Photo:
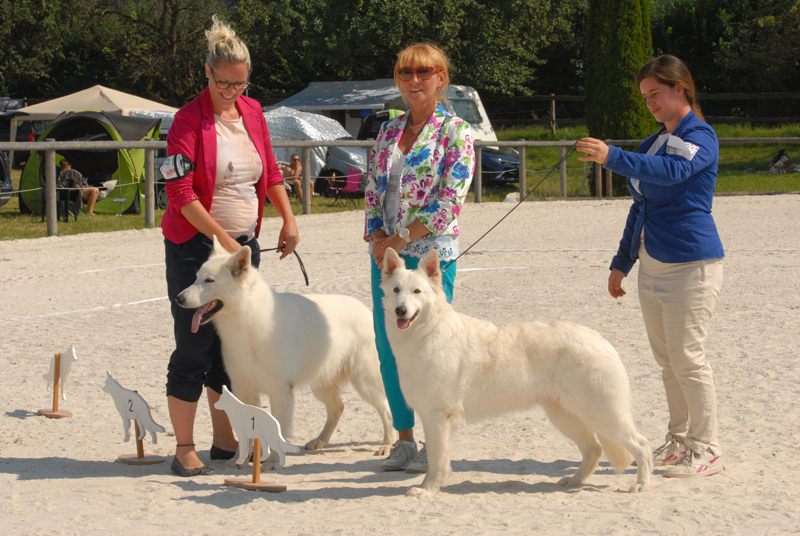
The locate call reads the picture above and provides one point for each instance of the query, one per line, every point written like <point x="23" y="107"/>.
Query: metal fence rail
<point x="51" y="147"/>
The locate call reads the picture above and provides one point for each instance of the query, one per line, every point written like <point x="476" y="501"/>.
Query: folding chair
<point x="68" y="200"/>
<point x="350" y="190"/>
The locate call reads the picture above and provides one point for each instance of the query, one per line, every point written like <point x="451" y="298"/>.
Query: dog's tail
<point x="617" y="455"/>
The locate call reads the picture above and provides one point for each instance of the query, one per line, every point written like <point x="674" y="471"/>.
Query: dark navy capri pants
<point x="197" y="359"/>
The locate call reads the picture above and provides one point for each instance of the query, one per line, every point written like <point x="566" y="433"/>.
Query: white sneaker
<point x="420" y="463"/>
<point x="403" y="452"/>
<point x="669" y="453"/>
<point x="693" y="465"/>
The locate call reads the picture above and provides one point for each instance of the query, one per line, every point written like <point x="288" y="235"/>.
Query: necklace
<point x="415" y="129"/>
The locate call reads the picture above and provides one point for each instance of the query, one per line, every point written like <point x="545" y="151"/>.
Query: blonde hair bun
<point x="224" y="46"/>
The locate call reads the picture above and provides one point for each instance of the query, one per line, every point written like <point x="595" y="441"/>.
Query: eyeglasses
<point x="238" y="86"/>
<point x="423" y="73"/>
<point x="295" y="159"/>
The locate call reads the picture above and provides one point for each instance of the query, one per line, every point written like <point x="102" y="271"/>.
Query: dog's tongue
<point x="198" y="315"/>
<point x="402" y="323"/>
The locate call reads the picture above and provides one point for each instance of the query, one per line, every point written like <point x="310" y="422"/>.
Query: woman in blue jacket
<point x="671" y="231"/>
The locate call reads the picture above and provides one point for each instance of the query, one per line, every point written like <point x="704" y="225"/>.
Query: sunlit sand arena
<point x="106" y="293"/>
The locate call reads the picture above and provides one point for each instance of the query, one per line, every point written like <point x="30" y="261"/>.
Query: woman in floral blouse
<point x="419" y="176"/>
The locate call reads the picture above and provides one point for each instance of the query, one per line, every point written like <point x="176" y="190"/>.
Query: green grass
<point x="735" y="161"/>
<point x="14" y="225"/>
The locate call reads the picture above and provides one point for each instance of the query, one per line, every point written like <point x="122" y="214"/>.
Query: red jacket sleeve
<point x="273" y="172"/>
<point x="183" y="138"/>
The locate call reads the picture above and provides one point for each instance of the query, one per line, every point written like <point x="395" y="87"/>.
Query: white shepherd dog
<point x="454" y="368"/>
<point x="273" y="342"/>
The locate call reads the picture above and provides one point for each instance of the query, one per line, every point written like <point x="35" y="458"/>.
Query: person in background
<point x="671" y="231"/>
<point x="225" y="135"/>
<point x="419" y="176"/>
<point x="293" y="174"/>
<point x="780" y="163"/>
<point x="72" y="178"/>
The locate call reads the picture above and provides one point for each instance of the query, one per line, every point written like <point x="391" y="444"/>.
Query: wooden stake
<point x="139" y="445"/>
<point x="256" y="461"/>
<point x="55" y="413"/>
<point x="56" y="381"/>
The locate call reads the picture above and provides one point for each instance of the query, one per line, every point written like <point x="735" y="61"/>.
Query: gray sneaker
<point x="400" y="456"/>
<point x="669" y="453"/>
<point x="420" y="463"/>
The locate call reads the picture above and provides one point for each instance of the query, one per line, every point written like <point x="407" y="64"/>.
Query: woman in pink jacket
<point x="224" y="134"/>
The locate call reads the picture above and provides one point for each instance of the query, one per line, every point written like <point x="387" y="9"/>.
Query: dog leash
<point x="564" y="158"/>
<point x="299" y="261"/>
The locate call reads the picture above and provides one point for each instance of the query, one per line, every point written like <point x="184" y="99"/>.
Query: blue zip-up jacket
<point x="677" y="189"/>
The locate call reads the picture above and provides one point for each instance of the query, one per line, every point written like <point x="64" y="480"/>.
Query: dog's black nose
<point x="179" y="299"/>
<point x="401" y="311"/>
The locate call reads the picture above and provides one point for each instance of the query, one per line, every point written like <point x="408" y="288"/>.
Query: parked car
<point x="338" y="160"/>
<point x="497" y="166"/>
<point x="5" y="180"/>
<point x="24" y="131"/>
<point x="160" y="185"/>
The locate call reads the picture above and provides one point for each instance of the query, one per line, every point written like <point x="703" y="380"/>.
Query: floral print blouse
<point x="434" y="184"/>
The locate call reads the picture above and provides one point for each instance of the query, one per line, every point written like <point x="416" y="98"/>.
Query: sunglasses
<point x="423" y="73"/>
<point x="295" y="159"/>
<point x="238" y="86"/>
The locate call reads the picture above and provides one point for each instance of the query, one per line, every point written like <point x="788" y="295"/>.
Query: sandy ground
<point x="548" y="260"/>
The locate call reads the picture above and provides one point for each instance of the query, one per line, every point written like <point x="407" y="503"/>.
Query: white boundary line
<point x="541" y="250"/>
<point x="150" y="300"/>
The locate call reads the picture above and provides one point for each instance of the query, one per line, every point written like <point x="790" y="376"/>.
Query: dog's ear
<point x="391" y="262"/>
<point x="239" y="263"/>
<point x="218" y="249"/>
<point x="430" y="265"/>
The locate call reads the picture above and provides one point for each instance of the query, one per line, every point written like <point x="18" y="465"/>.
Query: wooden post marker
<point x="250" y="422"/>
<point x="60" y="367"/>
<point x="132" y="407"/>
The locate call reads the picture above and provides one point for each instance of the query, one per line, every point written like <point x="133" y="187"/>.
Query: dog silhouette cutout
<point x="68" y="357"/>
<point x="250" y="422"/>
<point x="132" y="407"/>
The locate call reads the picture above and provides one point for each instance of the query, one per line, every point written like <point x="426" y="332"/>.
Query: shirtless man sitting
<point x="293" y="174"/>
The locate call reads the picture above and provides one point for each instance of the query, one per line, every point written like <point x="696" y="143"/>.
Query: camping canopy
<point x="115" y="171"/>
<point x="97" y="98"/>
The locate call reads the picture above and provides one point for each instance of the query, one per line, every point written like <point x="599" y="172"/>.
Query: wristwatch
<point x="404" y="235"/>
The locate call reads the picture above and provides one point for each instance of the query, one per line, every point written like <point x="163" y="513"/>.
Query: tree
<point x="493" y="43"/>
<point x="29" y="37"/>
<point x="618" y="43"/>
<point x="760" y="48"/>
<point x="161" y="46"/>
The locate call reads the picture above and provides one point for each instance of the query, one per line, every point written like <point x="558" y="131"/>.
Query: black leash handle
<point x="564" y="158"/>
<point x="299" y="261"/>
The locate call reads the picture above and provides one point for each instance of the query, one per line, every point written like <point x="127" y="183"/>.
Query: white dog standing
<point x="454" y="368"/>
<point x="273" y="342"/>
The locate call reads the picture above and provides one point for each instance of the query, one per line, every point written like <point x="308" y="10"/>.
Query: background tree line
<point x="155" y="48"/>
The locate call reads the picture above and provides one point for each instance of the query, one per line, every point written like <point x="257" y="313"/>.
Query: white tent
<point x="97" y="98"/>
<point x="289" y="124"/>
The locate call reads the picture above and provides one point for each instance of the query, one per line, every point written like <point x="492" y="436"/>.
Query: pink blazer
<point x="193" y="134"/>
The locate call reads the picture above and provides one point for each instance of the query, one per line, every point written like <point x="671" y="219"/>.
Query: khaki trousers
<point x="677" y="301"/>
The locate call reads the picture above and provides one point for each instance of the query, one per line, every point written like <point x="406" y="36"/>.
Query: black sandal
<point x="217" y="453"/>
<point x="180" y="470"/>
